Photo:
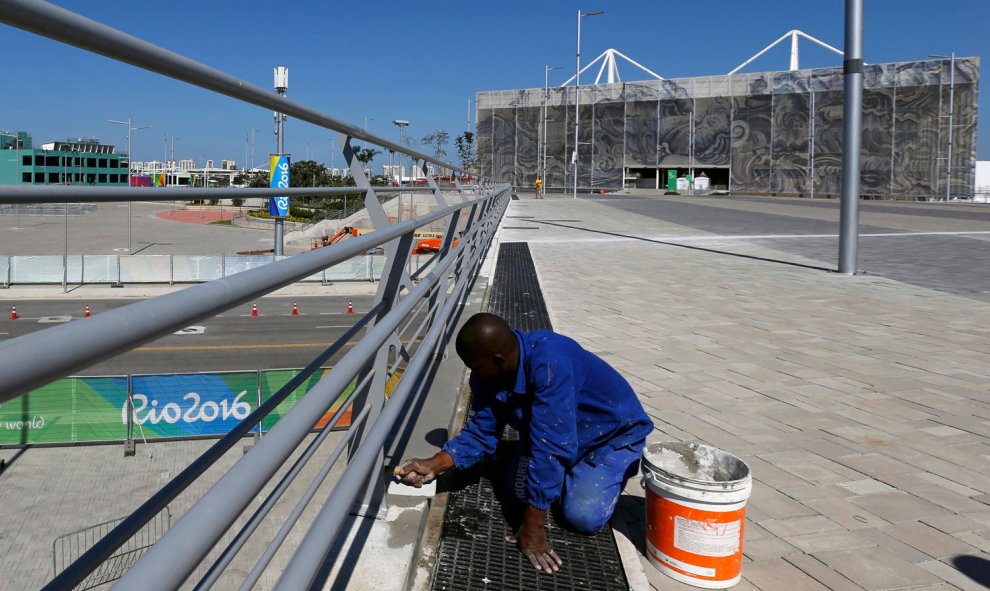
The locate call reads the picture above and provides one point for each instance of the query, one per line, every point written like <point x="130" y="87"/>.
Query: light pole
<point x="952" y="90"/>
<point x="281" y="86"/>
<point x="546" y="98"/>
<point x="401" y="124"/>
<point x="852" y="137"/>
<point x="577" y="95"/>
<point x="130" y="129"/>
<point x="252" y="147"/>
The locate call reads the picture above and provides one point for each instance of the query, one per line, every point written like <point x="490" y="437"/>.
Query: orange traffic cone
<point x="254" y="309"/>
<point x="350" y="307"/>
<point x="295" y="310"/>
<point x="86" y="315"/>
<point x="13" y="312"/>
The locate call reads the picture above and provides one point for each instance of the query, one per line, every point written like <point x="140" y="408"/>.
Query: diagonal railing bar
<point x="68" y="27"/>
<point x="314" y="549"/>
<point x="169" y="562"/>
<point x="116" y="538"/>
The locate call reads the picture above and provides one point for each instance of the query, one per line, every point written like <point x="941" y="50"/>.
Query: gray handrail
<point x="68" y="27"/>
<point x="173" y="558"/>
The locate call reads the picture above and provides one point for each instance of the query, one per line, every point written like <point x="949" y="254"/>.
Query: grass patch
<point x="222" y="223"/>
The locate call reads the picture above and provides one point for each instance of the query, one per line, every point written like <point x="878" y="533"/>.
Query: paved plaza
<point x="861" y="403"/>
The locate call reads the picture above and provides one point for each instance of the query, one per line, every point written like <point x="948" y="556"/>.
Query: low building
<point x="83" y="161"/>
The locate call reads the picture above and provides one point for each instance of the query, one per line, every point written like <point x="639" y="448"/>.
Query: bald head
<point x="485" y="335"/>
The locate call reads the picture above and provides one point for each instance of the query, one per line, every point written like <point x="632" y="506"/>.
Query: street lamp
<point x="401" y="124"/>
<point x="130" y="129"/>
<point x="952" y="89"/>
<point x="546" y="98"/>
<point x="577" y="95"/>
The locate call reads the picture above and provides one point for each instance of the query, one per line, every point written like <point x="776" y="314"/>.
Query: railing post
<point x="129" y="403"/>
<point x="394" y="278"/>
<point x="258" y="435"/>
<point x="171" y="269"/>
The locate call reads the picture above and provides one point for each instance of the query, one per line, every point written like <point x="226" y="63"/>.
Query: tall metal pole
<point x="130" y="242"/>
<point x="577" y="104"/>
<point x="852" y="133"/>
<point x="281" y="86"/>
<point x="577" y="96"/>
<point x="948" y="156"/>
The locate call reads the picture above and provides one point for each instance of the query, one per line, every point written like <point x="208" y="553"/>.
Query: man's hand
<point x="420" y="472"/>
<point x="531" y="539"/>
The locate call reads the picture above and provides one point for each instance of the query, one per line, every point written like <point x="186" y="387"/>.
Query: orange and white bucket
<point x="696" y="512"/>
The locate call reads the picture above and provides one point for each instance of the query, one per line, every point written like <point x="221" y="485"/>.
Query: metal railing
<point x="406" y="328"/>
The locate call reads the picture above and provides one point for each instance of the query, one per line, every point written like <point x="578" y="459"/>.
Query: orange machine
<point x="430" y="245"/>
<point x="327" y="240"/>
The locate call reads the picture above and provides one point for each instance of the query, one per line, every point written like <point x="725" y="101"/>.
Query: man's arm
<point x="477" y="439"/>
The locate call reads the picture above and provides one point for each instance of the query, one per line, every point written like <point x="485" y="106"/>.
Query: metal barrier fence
<point x="109" y="409"/>
<point x="405" y="331"/>
<point x="165" y="268"/>
<point x="67" y="549"/>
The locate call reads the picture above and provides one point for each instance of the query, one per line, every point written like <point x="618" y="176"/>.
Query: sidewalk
<point x="860" y="403"/>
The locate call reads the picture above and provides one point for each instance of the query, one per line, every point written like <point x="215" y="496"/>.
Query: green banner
<point x="93" y="409"/>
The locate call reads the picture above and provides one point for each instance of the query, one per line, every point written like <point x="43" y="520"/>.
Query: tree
<point x="365" y="155"/>
<point x="254" y="180"/>
<point x="466" y="151"/>
<point x="438" y="140"/>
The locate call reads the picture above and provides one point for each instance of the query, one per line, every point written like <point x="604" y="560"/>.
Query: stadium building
<point x="72" y="162"/>
<point x="767" y="133"/>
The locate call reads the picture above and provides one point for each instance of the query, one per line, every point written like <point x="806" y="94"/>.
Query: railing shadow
<point x="689" y="247"/>
<point x="974" y="567"/>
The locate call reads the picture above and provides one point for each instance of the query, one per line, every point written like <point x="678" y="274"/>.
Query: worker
<point x="581" y="429"/>
<point x="539" y="188"/>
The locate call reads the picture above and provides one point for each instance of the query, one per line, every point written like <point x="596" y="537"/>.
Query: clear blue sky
<point x="420" y="61"/>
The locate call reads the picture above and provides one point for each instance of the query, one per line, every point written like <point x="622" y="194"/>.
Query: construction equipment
<point x="327" y="240"/>
<point x="430" y="245"/>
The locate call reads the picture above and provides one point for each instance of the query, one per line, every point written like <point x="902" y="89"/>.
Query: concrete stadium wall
<point x="773" y="132"/>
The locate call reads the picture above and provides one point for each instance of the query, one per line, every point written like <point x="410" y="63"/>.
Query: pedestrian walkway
<point x="860" y="402"/>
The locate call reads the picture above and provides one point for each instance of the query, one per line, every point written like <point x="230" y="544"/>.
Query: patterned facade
<point x="762" y="133"/>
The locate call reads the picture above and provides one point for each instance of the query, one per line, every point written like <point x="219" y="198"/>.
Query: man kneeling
<point x="581" y="428"/>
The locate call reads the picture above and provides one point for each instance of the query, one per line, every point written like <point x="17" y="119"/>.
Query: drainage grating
<point x="473" y="555"/>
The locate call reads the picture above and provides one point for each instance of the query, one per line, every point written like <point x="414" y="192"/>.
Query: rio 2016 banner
<point x="90" y="409"/>
<point x="278" y="178"/>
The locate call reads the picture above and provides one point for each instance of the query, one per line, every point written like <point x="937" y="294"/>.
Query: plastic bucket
<point x="695" y="512"/>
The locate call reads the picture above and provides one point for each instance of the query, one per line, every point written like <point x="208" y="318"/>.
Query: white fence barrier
<point x="164" y="268"/>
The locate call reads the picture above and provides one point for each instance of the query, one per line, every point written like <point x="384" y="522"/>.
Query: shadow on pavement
<point x="703" y="249"/>
<point x="974" y="567"/>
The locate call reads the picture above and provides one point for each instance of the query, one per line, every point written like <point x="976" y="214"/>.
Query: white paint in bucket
<point x="695" y="512"/>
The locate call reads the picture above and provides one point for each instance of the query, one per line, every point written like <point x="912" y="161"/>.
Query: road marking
<point x="54" y="319"/>
<point x="337" y="326"/>
<point x="332" y="313"/>
<point x="233" y="347"/>
<point x="191" y="330"/>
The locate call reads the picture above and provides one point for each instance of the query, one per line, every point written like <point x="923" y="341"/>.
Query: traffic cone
<point x="13" y="312"/>
<point x="295" y="310"/>
<point x="254" y="309"/>
<point x="350" y="307"/>
<point x="86" y="315"/>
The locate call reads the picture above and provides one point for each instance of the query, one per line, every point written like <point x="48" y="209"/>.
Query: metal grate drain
<point x="473" y="555"/>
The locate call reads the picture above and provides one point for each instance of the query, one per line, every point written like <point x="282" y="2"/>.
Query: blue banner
<point x="278" y="178"/>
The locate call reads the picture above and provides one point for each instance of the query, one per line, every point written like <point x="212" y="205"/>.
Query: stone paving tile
<point x="776" y="574"/>
<point x="957" y="578"/>
<point x="876" y="568"/>
<point x="898" y="506"/>
<point x="927" y="539"/>
<point x="817" y="570"/>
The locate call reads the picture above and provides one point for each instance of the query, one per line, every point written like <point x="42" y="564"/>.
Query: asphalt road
<point x="231" y="341"/>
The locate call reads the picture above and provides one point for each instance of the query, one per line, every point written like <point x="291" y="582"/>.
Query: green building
<point x="72" y="162"/>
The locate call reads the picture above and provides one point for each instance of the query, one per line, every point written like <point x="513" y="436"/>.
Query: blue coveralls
<point x="580" y="424"/>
